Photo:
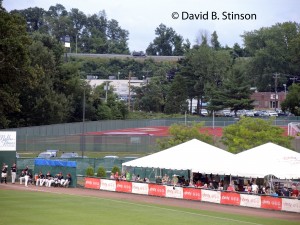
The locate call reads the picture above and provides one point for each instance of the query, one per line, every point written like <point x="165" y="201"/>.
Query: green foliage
<point x="116" y="169"/>
<point x="101" y="172"/>
<point x="167" y="42"/>
<point x="292" y="101"/>
<point x="183" y="133"/>
<point x="251" y="132"/>
<point x="90" y="171"/>
<point x="176" y="97"/>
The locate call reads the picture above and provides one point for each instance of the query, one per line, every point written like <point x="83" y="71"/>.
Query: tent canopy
<point x="267" y="159"/>
<point x="192" y="155"/>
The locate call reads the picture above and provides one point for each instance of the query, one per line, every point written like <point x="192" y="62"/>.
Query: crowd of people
<point x="48" y="180"/>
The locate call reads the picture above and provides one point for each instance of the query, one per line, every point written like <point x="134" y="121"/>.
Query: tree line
<point x="39" y="86"/>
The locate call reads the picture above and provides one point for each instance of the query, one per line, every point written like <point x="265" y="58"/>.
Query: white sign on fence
<point x="8" y="140"/>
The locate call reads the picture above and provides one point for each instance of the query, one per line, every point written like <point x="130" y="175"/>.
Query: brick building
<point x="268" y="100"/>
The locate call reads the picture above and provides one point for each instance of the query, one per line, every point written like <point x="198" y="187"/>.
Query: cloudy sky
<point x="141" y="18"/>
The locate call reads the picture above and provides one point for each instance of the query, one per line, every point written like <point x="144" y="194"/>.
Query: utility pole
<point x="293" y="79"/>
<point x="129" y="94"/>
<point x="276" y="83"/>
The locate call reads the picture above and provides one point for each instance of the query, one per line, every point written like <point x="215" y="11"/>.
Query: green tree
<point x="14" y="65"/>
<point x="292" y="101"/>
<point x="251" y="132"/>
<point x="167" y="42"/>
<point x="214" y="41"/>
<point x="177" y="96"/>
<point x="183" y="133"/>
<point x="272" y="49"/>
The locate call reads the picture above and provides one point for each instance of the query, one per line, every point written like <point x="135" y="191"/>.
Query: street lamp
<point x="284" y="85"/>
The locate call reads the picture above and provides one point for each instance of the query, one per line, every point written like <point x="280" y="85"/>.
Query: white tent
<point x="267" y="159"/>
<point x="192" y="155"/>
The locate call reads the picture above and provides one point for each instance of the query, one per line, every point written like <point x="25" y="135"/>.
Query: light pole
<point x="284" y="85"/>
<point x="82" y="137"/>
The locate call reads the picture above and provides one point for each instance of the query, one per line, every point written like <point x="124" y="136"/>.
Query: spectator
<point x="248" y="188"/>
<point x="198" y="184"/>
<point x="294" y="192"/>
<point x="254" y="188"/>
<point x="112" y="176"/>
<point x="13" y="171"/>
<point x="165" y="179"/>
<point x="4" y="173"/>
<point x="174" y="181"/>
<point x="231" y="187"/>
<point x="220" y="186"/>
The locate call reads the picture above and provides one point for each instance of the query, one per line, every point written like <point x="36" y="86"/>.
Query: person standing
<point x="13" y="171"/>
<point x="4" y="173"/>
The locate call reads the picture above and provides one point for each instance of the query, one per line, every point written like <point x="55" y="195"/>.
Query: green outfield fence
<point x="69" y="136"/>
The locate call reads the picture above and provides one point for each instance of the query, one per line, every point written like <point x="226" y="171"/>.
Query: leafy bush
<point x="116" y="169"/>
<point x="90" y="171"/>
<point x="101" y="172"/>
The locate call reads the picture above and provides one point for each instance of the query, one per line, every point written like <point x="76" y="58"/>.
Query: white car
<point x="272" y="113"/>
<point x="45" y="155"/>
<point x="204" y="112"/>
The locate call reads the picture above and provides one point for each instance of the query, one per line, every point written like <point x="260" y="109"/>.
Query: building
<point x="268" y="100"/>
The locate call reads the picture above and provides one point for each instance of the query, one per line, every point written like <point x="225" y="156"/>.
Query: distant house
<point x="268" y="100"/>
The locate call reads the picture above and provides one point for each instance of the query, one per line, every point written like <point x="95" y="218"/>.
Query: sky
<point x="189" y="18"/>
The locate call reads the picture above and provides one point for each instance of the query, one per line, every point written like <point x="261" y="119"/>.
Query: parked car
<point x="67" y="155"/>
<point x="53" y="152"/>
<point x="45" y="155"/>
<point x="203" y="112"/>
<point x="111" y="157"/>
<point x="138" y="53"/>
<point x="272" y="113"/>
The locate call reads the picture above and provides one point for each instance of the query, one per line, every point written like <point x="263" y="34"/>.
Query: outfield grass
<point x="30" y="208"/>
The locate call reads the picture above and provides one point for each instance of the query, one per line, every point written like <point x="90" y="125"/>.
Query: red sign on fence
<point x="230" y="198"/>
<point x="92" y="183"/>
<point x="268" y="202"/>
<point x="192" y="194"/>
<point x="157" y="190"/>
<point x="124" y="186"/>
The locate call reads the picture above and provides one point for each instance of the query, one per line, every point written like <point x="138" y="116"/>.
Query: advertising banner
<point x="140" y="188"/>
<point x="93" y="183"/>
<point x="253" y="201"/>
<point x="174" y="193"/>
<point x="291" y="205"/>
<point x="230" y="198"/>
<point x="192" y="194"/>
<point x="8" y="141"/>
<point x="124" y="186"/>
<point x="268" y="202"/>
<point x="210" y="196"/>
<point x="157" y="190"/>
<point x="108" y="185"/>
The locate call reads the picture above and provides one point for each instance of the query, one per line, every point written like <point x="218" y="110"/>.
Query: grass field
<point x="30" y="208"/>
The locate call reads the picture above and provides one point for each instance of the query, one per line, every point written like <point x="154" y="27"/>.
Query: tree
<point x="177" y="96"/>
<point x="183" y="133"/>
<point x="272" y="49"/>
<point x="292" y="101"/>
<point x="251" y="132"/>
<point x="214" y="41"/>
<point x="14" y="65"/>
<point x="167" y="42"/>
